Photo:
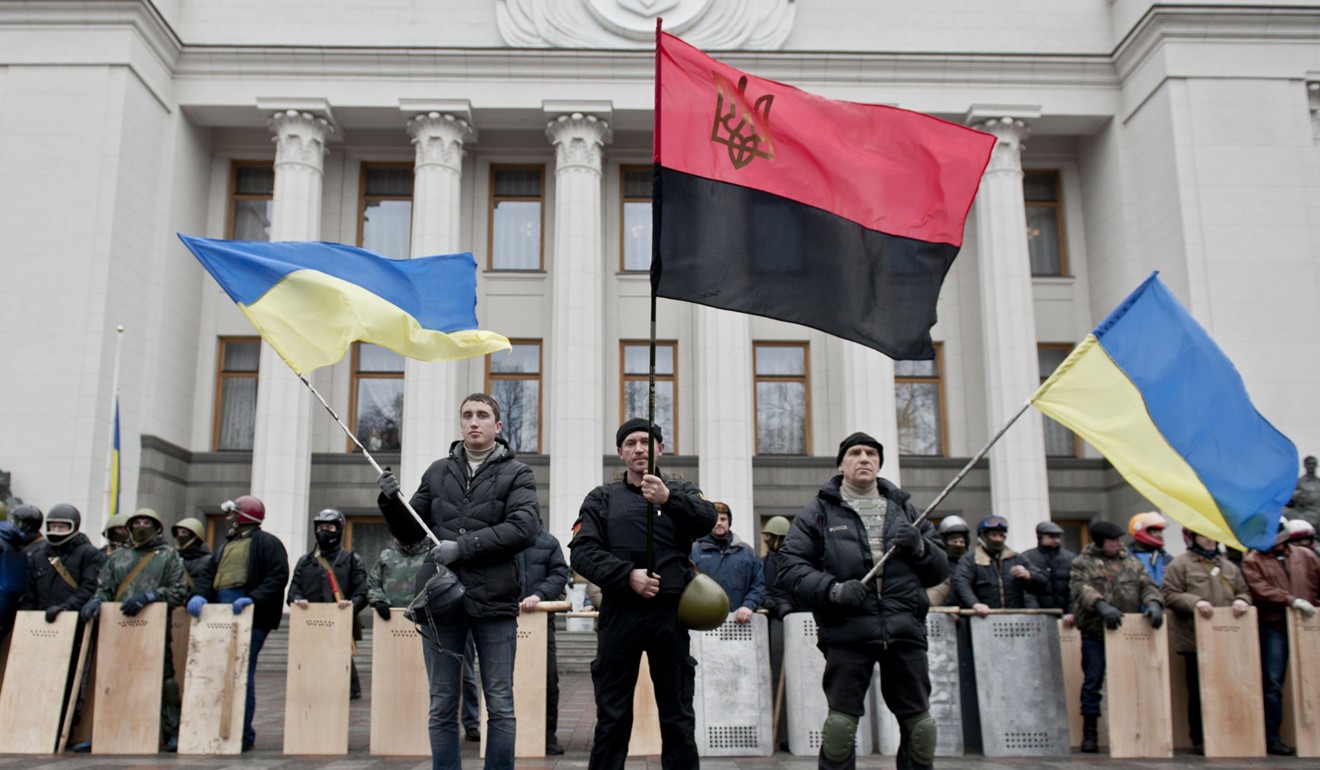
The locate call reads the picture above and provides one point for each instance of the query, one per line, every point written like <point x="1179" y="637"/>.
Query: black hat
<point x="1102" y="530"/>
<point x="854" y="440"/>
<point x="634" y="425"/>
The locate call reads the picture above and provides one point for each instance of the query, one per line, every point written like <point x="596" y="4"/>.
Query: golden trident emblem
<point x="745" y="131"/>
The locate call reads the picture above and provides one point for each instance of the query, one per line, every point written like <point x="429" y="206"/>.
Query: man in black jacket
<point x="1055" y="563"/>
<point x="251" y="568"/>
<point x="833" y="543"/>
<point x="190" y="541"/>
<point x="480" y="503"/>
<point x="332" y="573"/>
<point x="639" y="609"/>
<point x="993" y="576"/>
<point x="544" y="576"/>
<point x="62" y="568"/>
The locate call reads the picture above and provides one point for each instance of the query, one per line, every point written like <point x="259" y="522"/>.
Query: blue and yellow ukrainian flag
<point x="311" y="300"/>
<point x="1153" y="393"/>
<point x="114" y="465"/>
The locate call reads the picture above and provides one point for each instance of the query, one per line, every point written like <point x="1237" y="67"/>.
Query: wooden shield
<point x="528" y="687"/>
<point x="645" y="739"/>
<point x="400" y="689"/>
<point x="180" y="625"/>
<point x="32" y="697"/>
<point x="1070" y="647"/>
<point x="81" y="671"/>
<point x="1301" y="693"/>
<point x="130" y="664"/>
<point x="316" y="691"/>
<point x="1228" y="657"/>
<point x="1137" y="677"/>
<point x="212" y="714"/>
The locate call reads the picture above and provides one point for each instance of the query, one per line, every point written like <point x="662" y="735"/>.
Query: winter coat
<point x="164" y="574"/>
<point x="1119" y="580"/>
<point x="828" y="544"/>
<point x="267" y="574"/>
<point x="1155" y="562"/>
<point x="1056" y="565"/>
<point x="1191" y="578"/>
<point x="735" y="567"/>
<point x="310" y="582"/>
<point x="13" y="574"/>
<point x="1274" y="588"/>
<point x="196" y="560"/>
<point x="981" y="579"/>
<point x="492" y="515"/>
<point x="46" y="588"/>
<point x="392" y="578"/>
<point x="543" y="569"/>
<point x="777" y="601"/>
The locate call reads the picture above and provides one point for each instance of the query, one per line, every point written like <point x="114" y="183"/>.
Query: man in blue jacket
<point x="733" y="564"/>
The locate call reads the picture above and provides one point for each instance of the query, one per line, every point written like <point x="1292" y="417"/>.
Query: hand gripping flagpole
<point x="879" y="565"/>
<point x="379" y="470"/>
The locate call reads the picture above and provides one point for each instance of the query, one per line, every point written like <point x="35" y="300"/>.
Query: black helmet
<point x="28" y="520"/>
<point x="993" y="524"/>
<point x="1048" y="528"/>
<point x="63" y="512"/>
<point x="330" y="516"/>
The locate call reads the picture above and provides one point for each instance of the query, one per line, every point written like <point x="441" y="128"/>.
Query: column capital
<point x="579" y="140"/>
<point x="1011" y="134"/>
<point x="439" y="138"/>
<point x="300" y="138"/>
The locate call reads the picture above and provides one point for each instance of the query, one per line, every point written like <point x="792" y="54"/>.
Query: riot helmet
<point x="63" y="514"/>
<point x="329" y="527"/>
<point x="1147" y="529"/>
<point x="27" y="518"/>
<point x="988" y="525"/>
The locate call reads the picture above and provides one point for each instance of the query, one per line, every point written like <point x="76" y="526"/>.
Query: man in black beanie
<point x="831" y="546"/>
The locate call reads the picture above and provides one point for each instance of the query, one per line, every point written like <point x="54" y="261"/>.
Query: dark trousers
<point x="551" y="684"/>
<point x="1093" y="674"/>
<point x="904" y="683"/>
<point x="1273" y="668"/>
<point x="629" y="627"/>
<point x="1193" y="676"/>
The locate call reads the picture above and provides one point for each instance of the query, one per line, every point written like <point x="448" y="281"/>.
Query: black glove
<point x="53" y="612"/>
<point x="849" y="593"/>
<point x="446" y="553"/>
<point x="389" y="485"/>
<point x="91" y="609"/>
<point x="135" y="603"/>
<point x="1155" y="614"/>
<point x="907" y="539"/>
<point x="382" y="609"/>
<point x="1112" y="617"/>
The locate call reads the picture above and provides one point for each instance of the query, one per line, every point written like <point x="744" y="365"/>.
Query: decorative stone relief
<point x="578" y="141"/>
<point x="761" y="25"/>
<point x="439" y="139"/>
<point x="1011" y="134"/>
<point x="299" y="138"/>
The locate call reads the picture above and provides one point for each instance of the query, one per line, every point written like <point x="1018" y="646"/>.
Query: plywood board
<point x="316" y="689"/>
<point x="81" y="666"/>
<point x="1301" y="694"/>
<point x="180" y="625"/>
<point x="130" y="693"/>
<point x="400" y="689"/>
<point x="212" y="714"/>
<point x="81" y="732"/>
<point x="645" y="740"/>
<point x="32" y="697"/>
<point x="1137" y="676"/>
<point x="1228" y="656"/>
<point x="528" y="688"/>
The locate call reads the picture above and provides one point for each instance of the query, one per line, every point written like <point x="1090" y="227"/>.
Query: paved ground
<point x="577" y="719"/>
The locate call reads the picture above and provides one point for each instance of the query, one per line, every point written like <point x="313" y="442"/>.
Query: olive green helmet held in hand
<point x="703" y="605"/>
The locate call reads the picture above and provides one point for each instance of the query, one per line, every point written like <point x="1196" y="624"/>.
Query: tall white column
<point x="726" y="426"/>
<point x="281" y="447"/>
<point x="1019" y="489"/>
<point x="575" y="387"/>
<point x="868" y="402"/>
<point x="431" y="389"/>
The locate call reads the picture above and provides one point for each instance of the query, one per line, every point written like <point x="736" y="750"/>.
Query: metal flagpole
<point x="379" y="470"/>
<point x="114" y="403"/>
<point x="879" y="565"/>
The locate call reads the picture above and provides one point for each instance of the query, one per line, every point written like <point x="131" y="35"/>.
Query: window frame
<point x="221" y="375"/>
<point x="671" y="445"/>
<point x="234" y="197"/>
<point x="624" y="200"/>
<point x="492" y="199"/>
<point x="1067" y="348"/>
<point x="805" y="378"/>
<point x="354" y="376"/>
<point x="1057" y="205"/>
<point x="363" y="198"/>
<point x="540" y="390"/>
<point x="938" y="381"/>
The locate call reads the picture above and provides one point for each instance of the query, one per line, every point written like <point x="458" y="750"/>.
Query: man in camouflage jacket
<point x="162" y="579"/>
<point x="391" y="581"/>
<point x="1106" y="582"/>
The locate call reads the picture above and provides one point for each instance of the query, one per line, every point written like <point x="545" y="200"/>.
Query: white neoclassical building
<point x="1133" y="136"/>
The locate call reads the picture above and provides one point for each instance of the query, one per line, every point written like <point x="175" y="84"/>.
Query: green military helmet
<point x="703" y="606"/>
<point x="192" y="525"/>
<point x="777" y="526"/>
<point x="147" y="513"/>
<point x="4" y="511"/>
<point x="118" y="521"/>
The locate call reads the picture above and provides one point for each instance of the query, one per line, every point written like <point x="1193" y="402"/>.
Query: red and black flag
<point x="772" y="201"/>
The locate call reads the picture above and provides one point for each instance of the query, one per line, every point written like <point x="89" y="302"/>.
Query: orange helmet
<point x="1144" y="527"/>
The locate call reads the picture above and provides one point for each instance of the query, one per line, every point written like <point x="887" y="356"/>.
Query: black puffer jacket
<point x="267" y="573"/>
<point x="1056" y="565"/>
<point x="543" y="569"/>
<point x="828" y="544"/>
<point x="310" y="583"/>
<point x="46" y="588"/>
<point x="979" y="579"/>
<point x="196" y="561"/>
<point x="492" y="514"/>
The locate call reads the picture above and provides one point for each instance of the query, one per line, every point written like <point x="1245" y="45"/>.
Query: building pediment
<point x="707" y="24"/>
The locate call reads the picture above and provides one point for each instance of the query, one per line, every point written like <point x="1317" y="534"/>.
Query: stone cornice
<point x="141" y="15"/>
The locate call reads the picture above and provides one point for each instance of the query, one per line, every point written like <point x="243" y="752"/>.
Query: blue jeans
<point x="1093" y="674"/>
<point x="471" y="704"/>
<point x="1273" y="668"/>
<point x="496" y="640"/>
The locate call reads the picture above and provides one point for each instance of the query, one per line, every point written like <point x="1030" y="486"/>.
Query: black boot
<point x="1090" y="742"/>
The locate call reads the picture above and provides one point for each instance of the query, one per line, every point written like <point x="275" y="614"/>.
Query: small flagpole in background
<point x="110" y="500"/>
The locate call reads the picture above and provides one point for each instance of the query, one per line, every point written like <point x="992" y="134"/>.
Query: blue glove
<point x="446" y="553"/>
<point x="135" y="604"/>
<point x="195" y="606"/>
<point x="91" y="609"/>
<point x="240" y="603"/>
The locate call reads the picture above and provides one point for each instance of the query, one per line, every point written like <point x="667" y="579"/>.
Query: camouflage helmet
<point x="703" y="606"/>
